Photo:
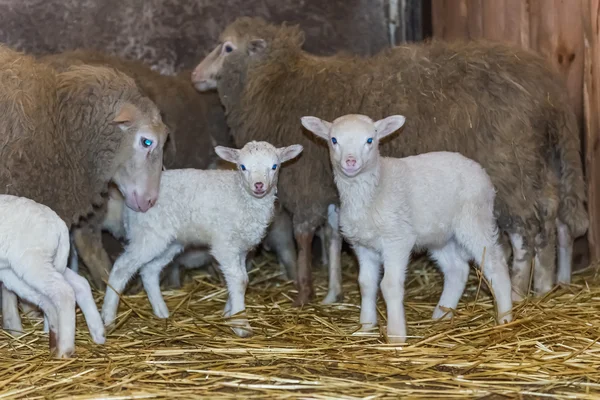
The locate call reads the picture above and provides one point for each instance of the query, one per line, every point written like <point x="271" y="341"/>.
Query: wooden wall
<point x="566" y="32"/>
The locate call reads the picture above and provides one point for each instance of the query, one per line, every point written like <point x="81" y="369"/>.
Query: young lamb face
<point x="258" y="164"/>
<point x="353" y="139"/>
<point x="141" y="156"/>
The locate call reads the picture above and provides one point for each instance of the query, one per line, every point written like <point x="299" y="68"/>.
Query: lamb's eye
<point x="333" y="140"/>
<point x="146" y="142"/>
<point x="274" y="167"/>
<point x="370" y="140"/>
<point x="243" y="167"/>
<point x="228" y="49"/>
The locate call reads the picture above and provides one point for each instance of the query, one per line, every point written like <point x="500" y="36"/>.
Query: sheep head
<point x="140" y="158"/>
<point x="244" y="40"/>
<point x="353" y="139"/>
<point x="258" y="164"/>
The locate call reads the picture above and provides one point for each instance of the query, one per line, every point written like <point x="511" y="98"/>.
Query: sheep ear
<point x="257" y="46"/>
<point x="317" y="126"/>
<point x="287" y="153"/>
<point x="125" y="116"/>
<point x="228" y="154"/>
<point x="389" y="125"/>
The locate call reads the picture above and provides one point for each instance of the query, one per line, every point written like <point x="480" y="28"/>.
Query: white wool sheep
<point x="229" y="211"/>
<point x="439" y="201"/>
<point x="34" y="251"/>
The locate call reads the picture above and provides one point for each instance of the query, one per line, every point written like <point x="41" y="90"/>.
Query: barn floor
<point x="551" y="350"/>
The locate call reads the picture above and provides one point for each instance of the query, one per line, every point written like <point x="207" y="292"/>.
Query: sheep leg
<point x="565" y="252"/>
<point x="368" y="280"/>
<point x="11" y="320"/>
<point x="280" y="239"/>
<point x="395" y="260"/>
<point x="544" y="266"/>
<point x="26" y="292"/>
<point x="304" y="275"/>
<point x="521" y="267"/>
<point x="89" y="245"/>
<point x="236" y="278"/>
<point x="455" y="267"/>
<point x="136" y="255"/>
<point x="73" y="255"/>
<point x="85" y="300"/>
<point x="174" y="276"/>
<point x="335" y="294"/>
<point x="323" y="239"/>
<point x="150" y="273"/>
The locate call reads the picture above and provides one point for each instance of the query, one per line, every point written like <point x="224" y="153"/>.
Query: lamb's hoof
<point x="505" y="319"/>
<point x="396" y="339"/>
<point x="98" y="335"/>
<point x="162" y="313"/>
<point x="67" y="352"/>
<point x="303" y="299"/>
<point x="108" y="318"/>
<point x="440" y="314"/>
<point x="516" y="297"/>
<point x="368" y="327"/>
<point x="241" y="329"/>
<point x="333" y="297"/>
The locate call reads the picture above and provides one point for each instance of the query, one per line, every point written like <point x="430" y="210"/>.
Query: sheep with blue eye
<point x="439" y="201"/>
<point x="228" y="211"/>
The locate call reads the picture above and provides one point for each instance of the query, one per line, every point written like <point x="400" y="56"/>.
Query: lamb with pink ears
<point x="439" y="201"/>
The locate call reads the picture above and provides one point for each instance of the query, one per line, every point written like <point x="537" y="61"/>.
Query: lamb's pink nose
<point x="351" y="162"/>
<point x="258" y="185"/>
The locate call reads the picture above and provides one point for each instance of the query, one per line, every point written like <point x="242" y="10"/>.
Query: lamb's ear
<point x="317" y="126"/>
<point x="388" y="125"/>
<point x="228" y="154"/>
<point x="125" y="116"/>
<point x="257" y="46"/>
<point x="287" y="153"/>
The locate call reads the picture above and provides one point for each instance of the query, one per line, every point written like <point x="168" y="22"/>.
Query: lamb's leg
<point x="304" y="238"/>
<point x="368" y="280"/>
<point x="85" y="300"/>
<point x="521" y="267"/>
<point x="26" y="292"/>
<point x="395" y="260"/>
<point x="150" y="273"/>
<point x="236" y="277"/>
<point x="11" y="320"/>
<point x="136" y="254"/>
<point x="544" y="266"/>
<point x="335" y="293"/>
<point x="455" y="268"/>
<point x="91" y="250"/>
<point x="565" y="252"/>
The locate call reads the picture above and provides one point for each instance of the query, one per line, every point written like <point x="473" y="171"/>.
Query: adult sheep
<point x="66" y="135"/>
<point x="196" y="124"/>
<point x="501" y="106"/>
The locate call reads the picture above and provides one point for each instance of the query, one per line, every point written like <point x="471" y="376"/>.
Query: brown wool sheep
<point x="65" y="135"/>
<point x="496" y="104"/>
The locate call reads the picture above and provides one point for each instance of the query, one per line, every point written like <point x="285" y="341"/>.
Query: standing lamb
<point x="498" y="105"/>
<point x="66" y="135"/>
<point x="229" y="211"/>
<point x="34" y="252"/>
<point x="439" y="201"/>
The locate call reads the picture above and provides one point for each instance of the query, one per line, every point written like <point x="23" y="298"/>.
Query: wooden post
<point x="592" y="120"/>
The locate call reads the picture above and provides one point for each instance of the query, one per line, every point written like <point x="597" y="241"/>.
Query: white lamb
<point x="229" y="211"/>
<point x="439" y="201"/>
<point x="34" y="251"/>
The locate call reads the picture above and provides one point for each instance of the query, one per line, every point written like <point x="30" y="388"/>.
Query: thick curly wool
<point x="441" y="201"/>
<point x="499" y="105"/>
<point x="215" y="208"/>
<point x="34" y="250"/>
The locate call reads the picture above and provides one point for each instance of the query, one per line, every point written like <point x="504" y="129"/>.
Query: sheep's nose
<point x="258" y="185"/>
<point x="351" y="162"/>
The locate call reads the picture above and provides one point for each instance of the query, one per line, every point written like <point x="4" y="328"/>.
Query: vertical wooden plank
<point x="438" y="18"/>
<point x="494" y="19"/>
<point x="569" y="52"/>
<point x="512" y="21"/>
<point x="474" y="19"/>
<point x="525" y="25"/>
<point x="590" y="14"/>
<point x="456" y="20"/>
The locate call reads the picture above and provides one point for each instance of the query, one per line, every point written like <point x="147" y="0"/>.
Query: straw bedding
<point x="551" y="350"/>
